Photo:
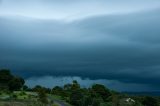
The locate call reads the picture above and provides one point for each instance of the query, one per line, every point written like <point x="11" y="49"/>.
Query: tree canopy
<point x="9" y="81"/>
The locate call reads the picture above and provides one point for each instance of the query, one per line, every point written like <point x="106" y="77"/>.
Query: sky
<point x="112" y="42"/>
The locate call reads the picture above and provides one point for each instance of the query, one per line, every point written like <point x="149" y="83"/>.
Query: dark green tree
<point x="75" y="85"/>
<point x="57" y="90"/>
<point x="9" y="81"/>
<point x="5" y="77"/>
<point x="95" y="102"/>
<point x="87" y="100"/>
<point x="76" y="98"/>
<point x="25" y="88"/>
<point x="16" y="83"/>
<point x="101" y="91"/>
<point x="150" y="101"/>
<point x="37" y="88"/>
<point x="67" y="87"/>
<point x="42" y="96"/>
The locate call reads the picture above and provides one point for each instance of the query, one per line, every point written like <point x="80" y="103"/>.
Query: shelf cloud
<point x="101" y="40"/>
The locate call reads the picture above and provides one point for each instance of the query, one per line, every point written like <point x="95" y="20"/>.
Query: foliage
<point x="75" y="97"/>
<point x="25" y="87"/>
<point x="42" y="96"/>
<point x="5" y="75"/>
<point x="37" y="88"/>
<point x="16" y="83"/>
<point x="150" y="101"/>
<point x="96" y="95"/>
<point x="101" y="90"/>
<point x="57" y="90"/>
<point x="9" y="81"/>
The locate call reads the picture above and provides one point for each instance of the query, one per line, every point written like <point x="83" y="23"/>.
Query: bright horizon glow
<point x="69" y="11"/>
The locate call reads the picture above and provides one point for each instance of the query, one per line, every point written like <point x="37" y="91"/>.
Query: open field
<point x="19" y="98"/>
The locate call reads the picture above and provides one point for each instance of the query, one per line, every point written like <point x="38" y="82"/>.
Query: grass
<point x="4" y="96"/>
<point x="56" y="97"/>
<point x="21" y="98"/>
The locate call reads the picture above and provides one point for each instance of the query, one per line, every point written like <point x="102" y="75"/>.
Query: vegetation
<point x="13" y="92"/>
<point x="42" y="96"/>
<point x="9" y="81"/>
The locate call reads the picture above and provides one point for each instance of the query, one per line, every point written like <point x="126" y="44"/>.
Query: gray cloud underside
<point x="50" y="82"/>
<point x="116" y="47"/>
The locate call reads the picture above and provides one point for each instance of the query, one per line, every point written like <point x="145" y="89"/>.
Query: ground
<point x="19" y="98"/>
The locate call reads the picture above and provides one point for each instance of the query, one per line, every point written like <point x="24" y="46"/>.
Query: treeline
<point x="77" y="96"/>
<point x="74" y="94"/>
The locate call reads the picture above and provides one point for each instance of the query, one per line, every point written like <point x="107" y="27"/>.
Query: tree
<point x="75" y="85"/>
<point x="67" y="87"/>
<point x="57" y="90"/>
<point x="95" y="102"/>
<point x="42" y="96"/>
<point x="37" y="88"/>
<point x="101" y="90"/>
<point x="25" y="88"/>
<point x="16" y="83"/>
<point x="5" y="77"/>
<point x="10" y="81"/>
<point x="150" y="101"/>
<point x="87" y="100"/>
<point x="48" y="90"/>
<point x="76" y="98"/>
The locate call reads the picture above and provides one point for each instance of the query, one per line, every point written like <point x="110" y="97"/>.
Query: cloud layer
<point x="73" y="9"/>
<point x="50" y="82"/>
<point x="121" y="46"/>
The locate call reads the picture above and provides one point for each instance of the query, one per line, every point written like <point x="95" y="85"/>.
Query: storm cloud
<point x="118" y="45"/>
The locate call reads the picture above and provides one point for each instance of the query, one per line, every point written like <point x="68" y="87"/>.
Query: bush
<point x="42" y="96"/>
<point x="22" y="93"/>
<point x="75" y="97"/>
<point x="150" y="101"/>
<point x="96" y="102"/>
<point x="14" y="96"/>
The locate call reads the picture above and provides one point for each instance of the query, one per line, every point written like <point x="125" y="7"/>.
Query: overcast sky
<point x="73" y="9"/>
<point x="115" y="42"/>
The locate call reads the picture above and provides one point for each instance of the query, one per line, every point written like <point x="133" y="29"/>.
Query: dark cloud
<point x="118" y="47"/>
<point x="49" y="81"/>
